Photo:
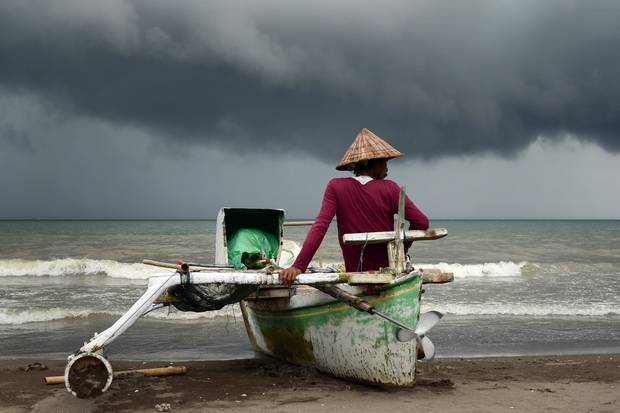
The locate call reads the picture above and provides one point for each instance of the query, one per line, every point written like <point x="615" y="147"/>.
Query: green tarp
<point x="255" y="243"/>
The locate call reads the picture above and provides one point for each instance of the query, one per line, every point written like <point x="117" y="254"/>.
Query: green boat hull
<point x="338" y="339"/>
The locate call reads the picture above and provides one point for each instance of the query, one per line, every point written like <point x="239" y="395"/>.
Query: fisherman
<point x="366" y="202"/>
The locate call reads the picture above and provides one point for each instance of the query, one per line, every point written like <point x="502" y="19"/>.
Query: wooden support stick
<point x="153" y="372"/>
<point x="297" y="223"/>
<point x="162" y="264"/>
<point x="177" y="267"/>
<point x="399" y="228"/>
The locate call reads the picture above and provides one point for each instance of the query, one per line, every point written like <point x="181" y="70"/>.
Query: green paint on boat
<point x="314" y="336"/>
<point x="289" y="344"/>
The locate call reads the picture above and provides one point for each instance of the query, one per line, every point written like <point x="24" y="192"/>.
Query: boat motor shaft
<point x="358" y="303"/>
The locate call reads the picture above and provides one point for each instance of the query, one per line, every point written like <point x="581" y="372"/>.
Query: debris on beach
<point x="34" y="366"/>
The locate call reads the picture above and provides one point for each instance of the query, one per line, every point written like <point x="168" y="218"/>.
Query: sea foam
<point x="487" y="269"/>
<point x="17" y="317"/>
<point x="525" y="309"/>
<point x="75" y="266"/>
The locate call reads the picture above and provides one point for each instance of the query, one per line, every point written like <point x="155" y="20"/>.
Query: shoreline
<point x="526" y="383"/>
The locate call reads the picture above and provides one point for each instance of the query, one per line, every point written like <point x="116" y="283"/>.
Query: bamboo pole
<point x="152" y="372"/>
<point x="297" y="223"/>
<point x="193" y="268"/>
<point x="161" y="264"/>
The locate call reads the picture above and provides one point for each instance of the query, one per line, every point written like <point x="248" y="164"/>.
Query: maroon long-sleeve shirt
<point x="359" y="207"/>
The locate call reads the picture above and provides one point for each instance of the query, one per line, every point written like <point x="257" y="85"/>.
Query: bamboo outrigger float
<point x="360" y="326"/>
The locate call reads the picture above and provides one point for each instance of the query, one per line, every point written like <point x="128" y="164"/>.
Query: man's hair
<point x="363" y="166"/>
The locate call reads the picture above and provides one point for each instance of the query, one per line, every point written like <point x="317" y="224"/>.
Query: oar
<point x="404" y="332"/>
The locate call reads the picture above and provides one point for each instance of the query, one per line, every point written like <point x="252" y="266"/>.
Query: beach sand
<point x="534" y="384"/>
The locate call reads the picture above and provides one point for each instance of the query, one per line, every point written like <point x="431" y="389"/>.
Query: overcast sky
<point x="172" y="109"/>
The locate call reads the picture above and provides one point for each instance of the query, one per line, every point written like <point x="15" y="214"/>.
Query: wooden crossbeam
<point x="387" y="236"/>
<point x="297" y="223"/>
<point x="435" y="276"/>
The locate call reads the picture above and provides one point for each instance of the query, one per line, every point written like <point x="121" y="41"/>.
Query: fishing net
<point x="208" y="297"/>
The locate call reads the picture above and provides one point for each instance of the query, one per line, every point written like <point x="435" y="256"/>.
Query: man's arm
<point x="315" y="236"/>
<point x="416" y="218"/>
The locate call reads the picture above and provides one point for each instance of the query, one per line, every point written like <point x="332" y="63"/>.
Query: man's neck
<point x="363" y="179"/>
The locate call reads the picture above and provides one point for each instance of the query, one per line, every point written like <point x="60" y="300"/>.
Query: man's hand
<point x="288" y="275"/>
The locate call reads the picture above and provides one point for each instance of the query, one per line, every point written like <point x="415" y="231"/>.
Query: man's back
<point x="359" y="207"/>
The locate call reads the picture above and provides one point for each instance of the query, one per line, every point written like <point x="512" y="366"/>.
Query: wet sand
<point x="533" y="384"/>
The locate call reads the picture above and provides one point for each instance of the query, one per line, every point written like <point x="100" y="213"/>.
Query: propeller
<point x="426" y="322"/>
<point x="428" y="347"/>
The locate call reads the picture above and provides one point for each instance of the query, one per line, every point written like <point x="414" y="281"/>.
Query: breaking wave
<point x="488" y="269"/>
<point x="17" y="317"/>
<point x="527" y="309"/>
<point x="75" y="266"/>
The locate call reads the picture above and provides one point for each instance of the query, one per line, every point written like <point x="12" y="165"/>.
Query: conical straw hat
<point x="366" y="146"/>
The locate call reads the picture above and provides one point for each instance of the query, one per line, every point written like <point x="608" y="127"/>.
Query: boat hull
<point x="338" y="339"/>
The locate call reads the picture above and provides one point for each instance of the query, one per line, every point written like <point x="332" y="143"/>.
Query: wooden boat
<point x="364" y="326"/>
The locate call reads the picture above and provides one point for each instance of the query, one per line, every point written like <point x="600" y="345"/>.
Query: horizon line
<point x="300" y="219"/>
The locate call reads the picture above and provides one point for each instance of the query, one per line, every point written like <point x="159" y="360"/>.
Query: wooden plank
<point x="386" y="236"/>
<point x="436" y="276"/>
<point x="391" y="252"/>
<point x="297" y="223"/>
<point x="399" y="228"/>
<point x="267" y="293"/>
<point x="370" y="278"/>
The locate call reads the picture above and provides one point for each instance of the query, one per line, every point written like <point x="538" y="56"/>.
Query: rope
<point x="185" y="279"/>
<point x="408" y="263"/>
<point x="360" y="263"/>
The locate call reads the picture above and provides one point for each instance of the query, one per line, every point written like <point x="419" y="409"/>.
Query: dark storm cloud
<point x="433" y="77"/>
<point x="12" y="136"/>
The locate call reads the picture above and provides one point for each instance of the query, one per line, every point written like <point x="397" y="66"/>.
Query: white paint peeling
<point x="350" y="344"/>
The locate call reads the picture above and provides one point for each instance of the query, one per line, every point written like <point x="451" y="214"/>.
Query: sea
<point x="540" y="287"/>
